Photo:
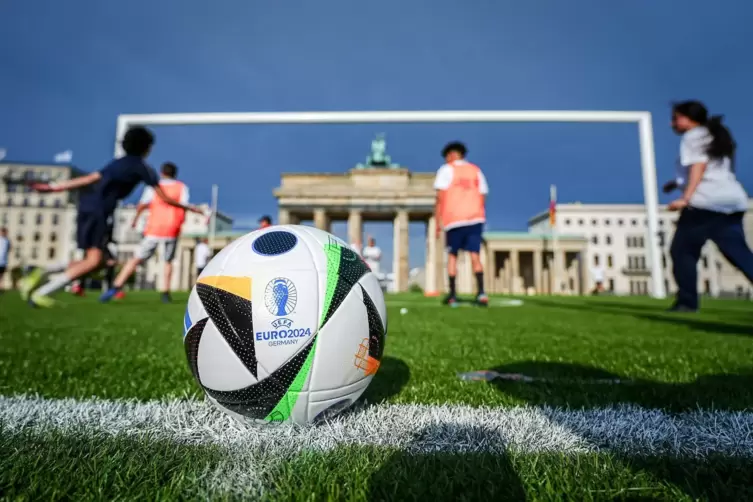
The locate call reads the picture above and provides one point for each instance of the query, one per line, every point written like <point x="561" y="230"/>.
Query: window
<point x="607" y="222"/>
<point x="707" y="286"/>
<point x="611" y="284"/>
<point x="620" y="222"/>
<point x="632" y="287"/>
<point x="25" y="202"/>
<point x="53" y="237"/>
<point x="595" y="239"/>
<point x="594" y="222"/>
<point x="608" y="240"/>
<point x="55" y="219"/>
<point x="661" y="239"/>
<point x="51" y="254"/>
<point x="634" y="222"/>
<point x="21" y="219"/>
<point x="42" y="203"/>
<point x="580" y="222"/>
<point x="37" y="236"/>
<point x="57" y="203"/>
<point x="629" y="242"/>
<point x="596" y="260"/>
<point x="19" y="238"/>
<point x="610" y="261"/>
<point x="39" y="218"/>
<point x="661" y="223"/>
<point x="567" y="222"/>
<point x="34" y="253"/>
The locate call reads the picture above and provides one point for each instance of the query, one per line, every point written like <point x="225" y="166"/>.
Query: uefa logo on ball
<point x="280" y="296"/>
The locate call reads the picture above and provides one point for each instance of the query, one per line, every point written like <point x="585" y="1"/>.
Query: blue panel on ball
<point x="275" y="243"/>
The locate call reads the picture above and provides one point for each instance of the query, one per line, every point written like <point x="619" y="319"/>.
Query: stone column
<point x="283" y="216"/>
<point x="401" y="251"/>
<point x="187" y="270"/>
<point x="355" y="227"/>
<point x="431" y="286"/>
<point x="514" y="271"/>
<point x="490" y="272"/>
<point x="537" y="269"/>
<point x="321" y="219"/>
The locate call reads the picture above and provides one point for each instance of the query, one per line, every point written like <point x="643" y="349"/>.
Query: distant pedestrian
<point x="712" y="204"/>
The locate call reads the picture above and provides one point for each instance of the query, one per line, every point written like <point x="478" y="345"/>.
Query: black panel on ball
<point x="275" y="243"/>
<point x="376" y="328"/>
<point x="233" y="317"/>
<point x="351" y="268"/>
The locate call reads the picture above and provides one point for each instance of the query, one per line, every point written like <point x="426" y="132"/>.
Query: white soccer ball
<point x="286" y="324"/>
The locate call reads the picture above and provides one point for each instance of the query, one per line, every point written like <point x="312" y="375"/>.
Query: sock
<point x="480" y="282"/>
<point x="53" y="285"/>
<point x="452" y="285"/>
<point x="56" y="269"/>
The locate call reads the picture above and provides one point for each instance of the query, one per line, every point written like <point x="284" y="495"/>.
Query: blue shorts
<point x="93" y="230"/>
<point x="467" y="238"/>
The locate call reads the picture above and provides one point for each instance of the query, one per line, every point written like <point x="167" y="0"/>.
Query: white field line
<point x="417" y="428"/>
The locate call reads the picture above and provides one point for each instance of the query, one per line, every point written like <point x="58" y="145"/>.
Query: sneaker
<point x="120" y="295"/>
<point x="166" y="298"/>
<point x="78" y="290"/>
<point x="108" y="295"/>
<point x="30" y="283"/>
<point x="450" y="300"/>
<point x="41" y="301"/>
<point x="482" y="300"/>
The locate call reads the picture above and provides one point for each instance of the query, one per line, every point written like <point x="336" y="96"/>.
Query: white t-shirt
<point x="719" y="189"/>
<point x="598" y="274"/>
<point x="4" y="251"/>
<point x="372" y="255"/>
<point x="148" y="194"/>
<point x="202" y="254"/>
<point x="444" y="180"/>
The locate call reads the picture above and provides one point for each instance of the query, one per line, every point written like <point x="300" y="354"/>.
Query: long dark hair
<point x="723" y="144"/>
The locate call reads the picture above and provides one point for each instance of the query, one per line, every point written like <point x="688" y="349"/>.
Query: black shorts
<point x="93" y="230"/>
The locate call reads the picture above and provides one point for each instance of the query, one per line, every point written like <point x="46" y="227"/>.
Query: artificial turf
<point x="133" y="350"/>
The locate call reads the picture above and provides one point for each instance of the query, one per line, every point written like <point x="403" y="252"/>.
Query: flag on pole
<point x="552" y="206"/>
<point x="64" y="157"/>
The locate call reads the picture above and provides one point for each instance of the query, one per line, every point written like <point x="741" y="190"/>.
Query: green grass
<point x="133" y="349"/>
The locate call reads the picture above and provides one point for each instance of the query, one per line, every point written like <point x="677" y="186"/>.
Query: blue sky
<point x="69" y="68"/>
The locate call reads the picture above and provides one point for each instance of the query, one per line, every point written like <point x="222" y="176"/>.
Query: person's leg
<point x="730" y="239"/>
<point x="454" y="238"/>
<point x="92" y="260"/>
<point x="170" y="247"/>
<point x="145" y="251"/>
<point x="473" y="240"/>
<point x="690" y="236"/>
<point x="2" y="274"/>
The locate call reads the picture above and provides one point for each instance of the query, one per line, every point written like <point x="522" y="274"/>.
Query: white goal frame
<point x="643" y="119"/>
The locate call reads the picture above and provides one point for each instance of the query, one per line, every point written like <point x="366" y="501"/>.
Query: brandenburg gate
<point x="514" y="262"/>
<point x="376" y="191"/>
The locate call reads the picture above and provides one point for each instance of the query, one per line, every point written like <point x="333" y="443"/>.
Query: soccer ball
<point x="286" y="324"/>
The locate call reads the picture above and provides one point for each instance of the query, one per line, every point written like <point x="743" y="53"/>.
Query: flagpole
<point x="555" y="246"/>
<point x="213" y="217"/>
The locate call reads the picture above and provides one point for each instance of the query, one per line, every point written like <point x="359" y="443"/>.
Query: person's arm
<point x="441" y="183"/>
<point x="162" y="195"/>
<point x="140" y="208"/>
<point x="72" y="184"/>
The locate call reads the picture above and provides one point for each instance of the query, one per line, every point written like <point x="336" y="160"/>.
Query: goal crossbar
<point x="641" y="118"/>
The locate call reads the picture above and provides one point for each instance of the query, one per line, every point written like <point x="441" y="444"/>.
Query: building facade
<point x="42" y="227"/>
<point x="616" y="235"/>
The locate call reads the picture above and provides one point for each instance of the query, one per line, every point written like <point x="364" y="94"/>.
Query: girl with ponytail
<point x="713" y="202"/>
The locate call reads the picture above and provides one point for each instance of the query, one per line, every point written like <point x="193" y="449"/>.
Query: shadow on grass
<point x="390" y="379"/>
<point x="571" y="385"/>
<point x="653" y="314"/>
<point x="714" y="478"/>
<point x="416" y="473"/>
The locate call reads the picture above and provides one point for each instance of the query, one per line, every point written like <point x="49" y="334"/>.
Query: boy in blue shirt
<point x="97" y="205"/>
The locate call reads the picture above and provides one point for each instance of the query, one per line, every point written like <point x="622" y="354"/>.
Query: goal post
<point x="643" y="119"/>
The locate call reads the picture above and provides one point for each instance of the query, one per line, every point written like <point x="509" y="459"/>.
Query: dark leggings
<point x="694" y="228"/>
